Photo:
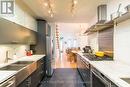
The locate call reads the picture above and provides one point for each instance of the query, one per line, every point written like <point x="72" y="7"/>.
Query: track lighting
<point x="49" y="4"/>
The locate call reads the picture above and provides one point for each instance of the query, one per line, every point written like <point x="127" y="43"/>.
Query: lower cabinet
<point x="84" y="70"/>
<point x="36" y="77"/>
<point x="26" y="83"/>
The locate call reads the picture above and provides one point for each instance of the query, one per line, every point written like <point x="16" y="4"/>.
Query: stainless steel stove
<point x="93" y="57"/>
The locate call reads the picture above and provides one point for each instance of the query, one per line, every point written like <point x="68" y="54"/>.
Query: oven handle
<point x="101" y="78"/>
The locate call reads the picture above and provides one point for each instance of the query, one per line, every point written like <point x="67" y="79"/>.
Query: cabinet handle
<point x="41" y="72"/>
<point x="42" y="63"/>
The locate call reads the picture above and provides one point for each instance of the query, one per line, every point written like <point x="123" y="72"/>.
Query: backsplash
<point x="93" y="41"/>
<point x="19" y="50"/>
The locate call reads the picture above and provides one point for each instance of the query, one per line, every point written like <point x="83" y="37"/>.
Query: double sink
<point x="23" y="70"/>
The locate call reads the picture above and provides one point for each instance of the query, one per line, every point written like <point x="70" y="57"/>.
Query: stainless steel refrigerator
<point x="44" y="45"/>
<point x="49" y="52"/>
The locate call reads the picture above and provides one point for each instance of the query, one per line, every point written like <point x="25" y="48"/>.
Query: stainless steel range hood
<point x="102" y="13"/>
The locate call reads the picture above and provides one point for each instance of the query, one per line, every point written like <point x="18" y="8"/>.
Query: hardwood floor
<point x="65" y="74"/>
<point x="63" y="62"/>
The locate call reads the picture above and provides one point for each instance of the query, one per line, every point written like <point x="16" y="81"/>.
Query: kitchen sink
<point x="17" y="65"/>
<point x="23" y="62"/>
<point x="12" y="67"/>
<point x="24" y="68"/>
<point x="126" y="80"/>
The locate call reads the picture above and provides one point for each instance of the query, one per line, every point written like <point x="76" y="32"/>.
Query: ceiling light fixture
<point x="49" y="11"/>
<point x="46" y="4"/>
<point x="73" y="6"/>
<point x="49" y="4"/>
<point x="52" y="15"/>
<point x="75" y="2"/>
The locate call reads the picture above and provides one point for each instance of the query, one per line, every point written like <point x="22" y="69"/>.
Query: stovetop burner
<point x="93" y="57"/>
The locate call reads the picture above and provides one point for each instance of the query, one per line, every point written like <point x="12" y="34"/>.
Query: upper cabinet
<point x="22" y="16"/>
<point x="12" y="33"/>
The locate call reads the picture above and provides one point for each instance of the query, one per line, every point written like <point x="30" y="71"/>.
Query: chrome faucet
<point x="7" y="57"/>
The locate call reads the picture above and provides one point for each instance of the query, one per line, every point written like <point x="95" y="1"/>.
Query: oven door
<point x="86" y="73"/>
<point x="98" y="80"/>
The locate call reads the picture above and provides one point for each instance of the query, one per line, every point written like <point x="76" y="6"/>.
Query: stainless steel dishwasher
<point x="98" y="79"/>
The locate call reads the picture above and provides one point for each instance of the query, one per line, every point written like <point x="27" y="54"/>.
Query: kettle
<point x="87" y="49"/>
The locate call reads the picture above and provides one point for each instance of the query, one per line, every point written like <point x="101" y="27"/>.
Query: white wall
<point x="121" y="32"/>
<point x="12" y="49"/>
<point x="93" y="41"/>
<point x="82" y="41"/>
<point x="22" y="16"/>
<point x="73" y="32"/>
<point x="112" y="6"/>
<point x="122" y="42"/>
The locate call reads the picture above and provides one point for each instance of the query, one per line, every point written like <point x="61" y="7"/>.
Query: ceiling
<point x="71" y="30"/>
<point x="85" y="10"/>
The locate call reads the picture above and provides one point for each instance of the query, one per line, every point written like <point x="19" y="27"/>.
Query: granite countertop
<point x="5" y="74"/>
<point x="113" y="70"/>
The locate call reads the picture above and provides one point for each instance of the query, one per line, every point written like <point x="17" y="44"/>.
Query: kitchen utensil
<point x="119" y="7"/>
<point x="99" y="54"/>
<point x="29" y="53"/>
<point x="116" y="14"/>
<point x="87" y="49"/>
<point x="108" y="53"/>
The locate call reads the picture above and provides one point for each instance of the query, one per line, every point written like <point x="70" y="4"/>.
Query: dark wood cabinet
<point x="41" y="68"/>
<point x="43" y="31"/>
<point x="40" y="47"/>
<point x="13" y="33"/>
<point x="84" y="70"/>
<point x="26" y="82"/>
<point x="36" y="77"/>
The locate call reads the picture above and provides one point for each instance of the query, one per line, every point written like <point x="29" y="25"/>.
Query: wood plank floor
<point x="63" y="62"/>
<point x="65" y="75"/>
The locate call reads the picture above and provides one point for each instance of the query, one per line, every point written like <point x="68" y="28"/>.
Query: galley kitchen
<point x="64" y="43"/>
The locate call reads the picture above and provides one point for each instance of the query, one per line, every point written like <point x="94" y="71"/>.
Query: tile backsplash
<point x="18" y="50"/>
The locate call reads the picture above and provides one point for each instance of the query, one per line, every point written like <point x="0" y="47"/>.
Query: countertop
<point x="4" y="74"/>
<point x="113" y="70"/>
